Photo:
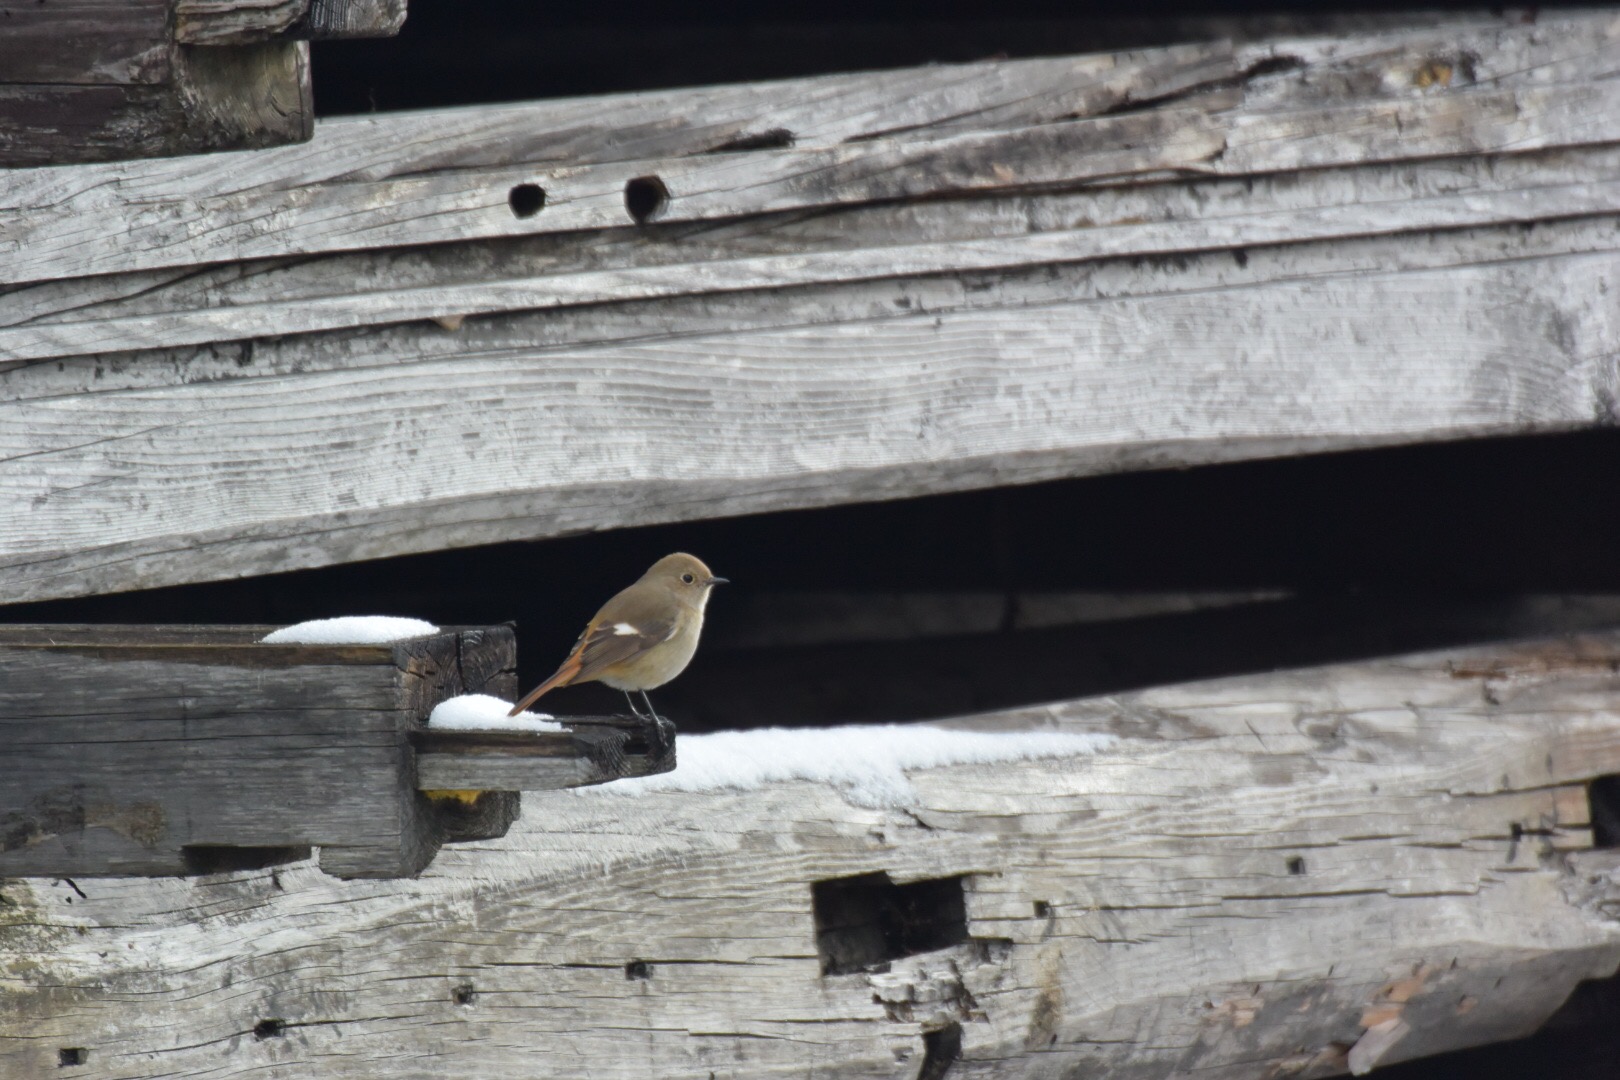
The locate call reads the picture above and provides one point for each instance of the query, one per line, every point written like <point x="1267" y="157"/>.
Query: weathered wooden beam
<point x="86" y="43"/>
<point x="1292" y="874"/>
<point x="189" y="102"/>
<point x="169" y="308"/>
<point x="1026" y="379"/>
<point x="241" y="22"/>
<point x="235" y="22"/>
<point x="174" y="750"/>
<point x="453" y="176"/>
<point x="108" y="80"/>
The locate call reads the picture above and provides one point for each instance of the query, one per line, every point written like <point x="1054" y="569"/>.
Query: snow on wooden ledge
<point x="1286" y="875"/>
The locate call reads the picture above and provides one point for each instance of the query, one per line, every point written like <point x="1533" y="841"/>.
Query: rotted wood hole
<point x="864" y="921"/>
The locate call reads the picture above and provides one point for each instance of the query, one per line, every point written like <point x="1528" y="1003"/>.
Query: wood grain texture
<point x="129" y="748"/>
<point x="212" y="99"/>
<point x="328" y="19"/>
<point x="85" y="43"/>
<point x="163" y="309"/>
<point x="656" y="429"/>
<point x="235" y="22"/>
<point x="441" y="177"/>
<point x="1262" y="876"/>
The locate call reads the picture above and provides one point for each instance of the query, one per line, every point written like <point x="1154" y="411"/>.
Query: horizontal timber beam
<point x="1299" y="873"/>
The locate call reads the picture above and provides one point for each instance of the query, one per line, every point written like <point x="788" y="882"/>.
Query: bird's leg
<point x="651" y="711"/>
<point x="632" y="703"/>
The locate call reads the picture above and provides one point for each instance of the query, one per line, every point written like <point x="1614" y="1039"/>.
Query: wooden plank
<point x="235" y="22"/>
<point x="246" y="22"/>
<point x="165" y="309"/>
<point x="793" y="416"/>
<point x="1259" y="873"/>
<point x="214" y="99"/>
<point x="330" y="19"/>
<point x="139" y="750"/>
<point x="86" y="43"/>
<point x="371" y="182"/>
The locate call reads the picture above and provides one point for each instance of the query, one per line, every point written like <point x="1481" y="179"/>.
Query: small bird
<point x="643" y="637"/>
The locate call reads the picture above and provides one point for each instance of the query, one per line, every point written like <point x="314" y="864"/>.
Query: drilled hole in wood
<point x="463" y="994"/>
<point x="220" y="859"/>
<point x="71" y="1055"/>
<point x="645" y="198"/>
<point x="1043" y="910"/>
<point x="526" y="200"/>
<point x="1603" y="801"/>
<point x="270" y="1029"/>
<point x="638" y="969"/>
<point x="1296" y="864"/>
<point x="940" y="1050"/>
<point x="864" y="921"/>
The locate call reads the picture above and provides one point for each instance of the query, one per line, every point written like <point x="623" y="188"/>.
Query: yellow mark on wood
<point x="1434" y="73"/>
<point x="466" y="798"/>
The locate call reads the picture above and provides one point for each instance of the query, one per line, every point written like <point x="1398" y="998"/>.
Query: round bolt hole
<point x="645" y="198"/>
<point x="526" y="200"/>
<point x="270" y="1029"/>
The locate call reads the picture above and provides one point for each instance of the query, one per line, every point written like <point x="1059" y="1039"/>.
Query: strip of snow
<point x="867" y="764"/>
<point x="350" y="630"/>
<point x="481" y="712"/>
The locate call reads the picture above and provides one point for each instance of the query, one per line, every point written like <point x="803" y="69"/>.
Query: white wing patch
<point x="624" y="628"/>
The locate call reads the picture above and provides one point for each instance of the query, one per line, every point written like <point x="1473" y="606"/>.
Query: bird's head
<point x="686" y="576"/>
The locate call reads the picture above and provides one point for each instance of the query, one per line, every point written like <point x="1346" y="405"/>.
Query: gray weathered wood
<point x="352" y="18"/>
<point x="797" y="415"/>
<point x="1267" y="875"/>
<point x="235" y="22"/>
<point x="143" y="750"/>
<point x="161" y="309"/>
<point x="85" y="43"/>
<point x="505" y="387"/>
<point x="369" y="182"/>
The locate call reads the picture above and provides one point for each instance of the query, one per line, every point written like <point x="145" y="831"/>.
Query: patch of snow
<point x="350" y="630"/>
<point x="481" y="712"/>
<point x="867" y="764"/>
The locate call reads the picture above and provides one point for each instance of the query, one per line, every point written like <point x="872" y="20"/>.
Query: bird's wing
<point x="605" y="644"/>
<point x="602" y="645"/>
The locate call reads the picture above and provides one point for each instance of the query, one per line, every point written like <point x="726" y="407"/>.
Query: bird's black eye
<point x="688" y="578"/>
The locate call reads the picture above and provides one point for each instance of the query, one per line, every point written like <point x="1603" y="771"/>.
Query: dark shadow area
<point x="863" y="922"/>
<point x="504" y="50"/>
<point x="223" y="859"/>
<point x="1603" y="799"/>
<point x="949" y="605"/>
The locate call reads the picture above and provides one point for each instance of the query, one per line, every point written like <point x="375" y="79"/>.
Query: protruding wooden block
<point x="186" y="749"/>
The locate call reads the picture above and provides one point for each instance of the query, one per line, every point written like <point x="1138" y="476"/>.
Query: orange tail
<point x="563" y="676"/>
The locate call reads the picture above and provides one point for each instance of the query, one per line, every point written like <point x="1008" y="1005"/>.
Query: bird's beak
<point x="719" y="580"/>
